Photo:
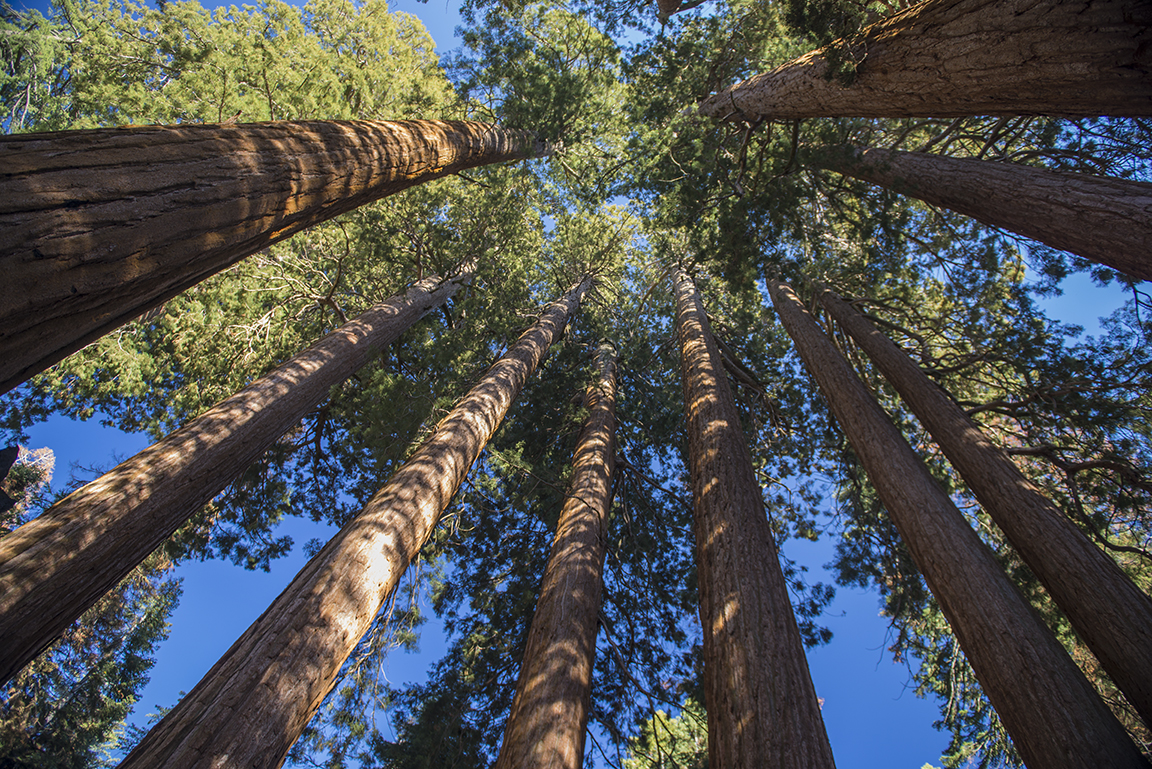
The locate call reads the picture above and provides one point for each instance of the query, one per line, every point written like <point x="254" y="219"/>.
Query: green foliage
<point x="667" y="741"/>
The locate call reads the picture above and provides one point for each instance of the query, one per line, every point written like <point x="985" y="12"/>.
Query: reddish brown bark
<point x="57" y="565"/>
<point x="1054" y="716"/>
<point x="550" y="710"/>
<point x="253" y="704"/>
<point x="762" y="706"/>
<point x="1100" y="218"/>
<point x="1108" y="611"/>
<point x="98" y="226"/>
<point x="952" y="58"/>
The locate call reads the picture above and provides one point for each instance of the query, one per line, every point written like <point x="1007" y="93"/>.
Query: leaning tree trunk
<point x="253" y="704"/>
<point x="953" y="58"/>
<point x="57" y="565"/>
<point x="549" y="713"/>
<point x="1101" y="218"/>
<point x="1053" y="714"/>
<point x="1108" y="611"/>
<point x="98" y="226"/>
<point x="762" y="706"/>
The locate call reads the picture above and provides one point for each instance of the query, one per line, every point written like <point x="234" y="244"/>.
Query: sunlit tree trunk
<point x="550" y="710"/>
<point x="952" y="58"/>
<point x="1108" y="611"/>
<point x="762" y="706"/>
<point x="1050" y="710"/>
<point x="253" y="704"/>
<point x="57" y="565"/>
<point x="1101" y="218"/>
<point x="98" y="226"/>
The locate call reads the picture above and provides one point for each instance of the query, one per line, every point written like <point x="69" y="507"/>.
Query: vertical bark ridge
<point x="256" y="700"/>
<point x="53" y="568"/>
<point x="762" y="706"/>
<point x="97" y="226"/>
<point x="953" y="58"/>
<point x="549" y="713"/>
<point x="1104" y="219"/>
<point x="1053" y="714"/>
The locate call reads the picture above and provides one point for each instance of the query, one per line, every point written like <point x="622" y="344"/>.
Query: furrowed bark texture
<point x="762" y="706"/>
<point x="252" y="705"/>
<point x="1105" y="607"/>
<point x="53" y="568"/>
<point x="952" y="58"/>
<point x="1101" y="218"/>
<point x="1054" y="716"/>
<point x="549" y="713"/>
<point x="98" y="226"/>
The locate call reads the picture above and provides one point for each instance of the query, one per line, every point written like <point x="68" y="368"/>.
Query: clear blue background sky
<point x="874" y="720"/>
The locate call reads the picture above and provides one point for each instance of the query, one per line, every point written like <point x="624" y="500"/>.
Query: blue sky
<point x="873" y="718"/>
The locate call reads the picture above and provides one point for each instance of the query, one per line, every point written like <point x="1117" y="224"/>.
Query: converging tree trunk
<point x="1054" y="716"/>
<point x="762" y="706"/>
<point x="98" y="226"/>
<point x="1108" y="611"/>
<point x="57" y="565"/>
<point x="952" y="58"/>
<point x="550" y="710"/>
<point x="1101" y="218"/>
<point x="253" y="704"/>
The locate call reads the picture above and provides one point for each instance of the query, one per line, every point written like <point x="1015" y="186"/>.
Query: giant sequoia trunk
<point x="1054" y="716"/>
<point x="57" y="565"/>
<point x="1100" y="218"/>
<point x="253" y="704"/>
<point x="1107" y="610"/>
<point x="952" y="58"/>
<point x="550" y="710"/>
<point x="98" y="226"/>
<point x="762" y="706"/>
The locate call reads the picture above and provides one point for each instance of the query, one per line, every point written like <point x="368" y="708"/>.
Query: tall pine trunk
<point x="1108" y="611"/>
<point x="762" y="706"/>
<point x="98" y="226"/>
<point x="952" y="58"/>
<point x="1101" y="218"/>
<point x="1053" y="714"/>
<point x="57" y="565"/>
<point x="253" y="704"/>
<point x="550" y="710"/>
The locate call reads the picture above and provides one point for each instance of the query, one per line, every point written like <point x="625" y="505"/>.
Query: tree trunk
<point x="953" y="58"/>
<point x="1108" y="611"/>
<point x="550" y="711"/>
<point x="1104" y="219"/>
<point x="98" y="226"/>
<point x="762" y="706"/>
<point x="253" y="704"/>
<point x="57" y="565"/>
<point x="1054" y="716"/>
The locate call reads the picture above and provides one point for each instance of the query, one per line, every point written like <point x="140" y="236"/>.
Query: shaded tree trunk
<point x="253" y="704"/>
<point x="98" y="226"/>
<point x="550" y="710"/>
<point x="1104" y="219"/>
<point x="762" y="706"/>
<point x="1054" y="716"/>
<point x="57" y="565"/>
<point x="953" y="58"/>
<point x="1108" y="611"/>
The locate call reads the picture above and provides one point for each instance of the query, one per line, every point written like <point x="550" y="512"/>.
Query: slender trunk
<point x="1108" y="611"/>
<point x="952" y="58"/>
<point x="57" y="565"/>
<point x="762" y="706"/>
<point x="1054" y="716"/>
<point x="1101" y="218"/>
<point x="253" y="704"/>
<point x="550" y="711"/>
<point x="98" y="226"/>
